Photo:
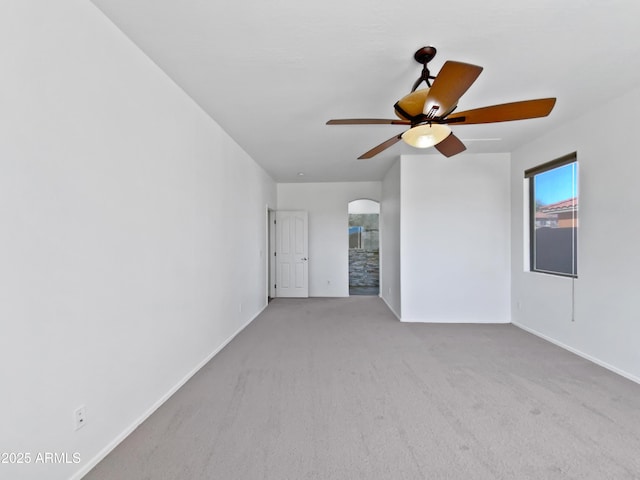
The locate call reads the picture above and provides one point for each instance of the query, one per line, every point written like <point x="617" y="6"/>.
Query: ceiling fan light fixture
<point x="425" y="136"/>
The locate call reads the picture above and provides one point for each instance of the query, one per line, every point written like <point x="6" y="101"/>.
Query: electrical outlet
<point x="240" y="307"/>
<point x="80" y="417"/>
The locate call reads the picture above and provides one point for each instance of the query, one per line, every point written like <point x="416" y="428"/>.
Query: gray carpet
<point x="339" y="389"/>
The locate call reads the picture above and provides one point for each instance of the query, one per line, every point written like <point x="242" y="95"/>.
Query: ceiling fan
<point x="429" y="111"/>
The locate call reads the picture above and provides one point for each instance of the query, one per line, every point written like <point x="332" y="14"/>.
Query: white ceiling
<point x="271" y="73"/>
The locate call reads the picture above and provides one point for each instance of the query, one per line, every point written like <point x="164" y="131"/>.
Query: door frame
<point x="271" y="254"/>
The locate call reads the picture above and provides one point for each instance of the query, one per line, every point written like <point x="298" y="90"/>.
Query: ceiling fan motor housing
<point x="410" y="106"/>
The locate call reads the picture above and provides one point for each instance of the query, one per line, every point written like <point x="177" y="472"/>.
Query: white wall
<point x="607" y="305"/>
<point x="327" y="204"/>
<point x="128" y="219"/>
<point x="455" y="238"/>
<point x="390" y="288"/>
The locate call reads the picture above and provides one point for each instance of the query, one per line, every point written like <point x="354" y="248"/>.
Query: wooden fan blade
<point x="452" y="81"/>
<point x="383" y="146"/>
<point x="367" y="121"/>
<point x="504" y="112"/>
<point x="450" y="146"/>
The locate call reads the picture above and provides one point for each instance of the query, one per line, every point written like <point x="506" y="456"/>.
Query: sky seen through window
<point x="557" y="185"/>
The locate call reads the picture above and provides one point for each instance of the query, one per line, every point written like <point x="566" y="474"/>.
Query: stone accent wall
<point x="364" y="270"/>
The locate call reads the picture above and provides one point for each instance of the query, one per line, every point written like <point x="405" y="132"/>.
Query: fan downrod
<point x="423" y="56"/>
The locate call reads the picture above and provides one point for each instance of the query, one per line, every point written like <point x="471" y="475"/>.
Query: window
<point x="553" y="216"/>
<point x="355" y="236"/>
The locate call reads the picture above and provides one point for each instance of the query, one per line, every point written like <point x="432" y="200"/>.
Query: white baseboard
<point x="454" y="321"/>
<point x="390" y="307"/>
<point x="116" y="441"/>
<point x="586" y="356"/>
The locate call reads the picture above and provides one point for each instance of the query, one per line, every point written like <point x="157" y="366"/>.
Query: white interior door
<point x="292" y="262"/>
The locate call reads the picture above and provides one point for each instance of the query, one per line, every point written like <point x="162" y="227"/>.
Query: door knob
<point x="304" y="258"/>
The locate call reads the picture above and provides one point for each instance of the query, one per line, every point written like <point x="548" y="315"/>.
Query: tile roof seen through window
<point x="563" y="206"/>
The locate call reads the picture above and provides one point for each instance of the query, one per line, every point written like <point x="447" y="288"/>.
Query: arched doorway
<point x="364" y="249"/>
